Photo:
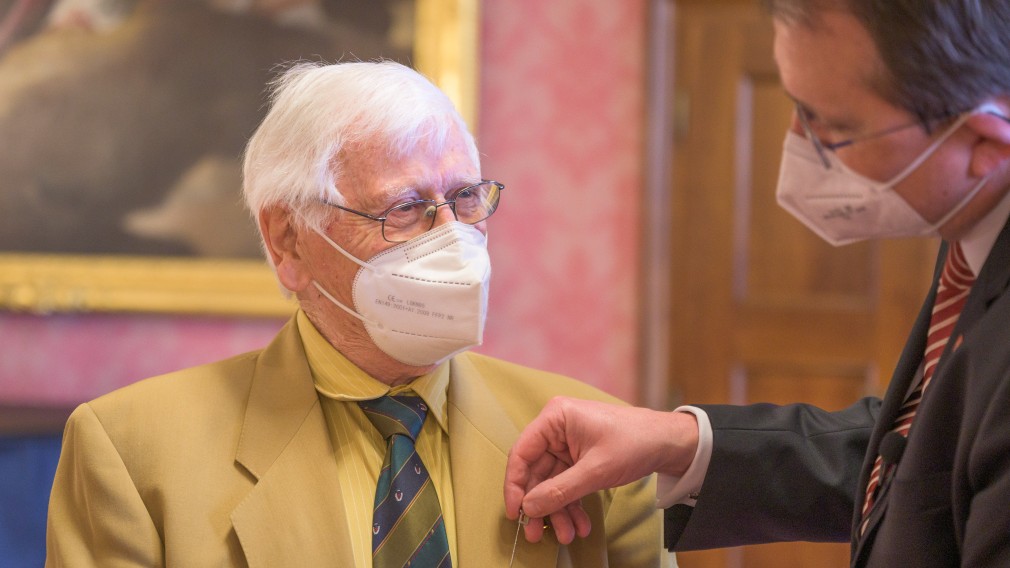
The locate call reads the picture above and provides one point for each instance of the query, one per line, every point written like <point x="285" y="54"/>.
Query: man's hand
<point x="575" y="447"/>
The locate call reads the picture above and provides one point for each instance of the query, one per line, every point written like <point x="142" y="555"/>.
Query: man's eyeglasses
<point x="824" y="147"/>
<point x="471" y="205"/>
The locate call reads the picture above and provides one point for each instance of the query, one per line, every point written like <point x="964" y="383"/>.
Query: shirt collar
<point x="335" y="377"/>
<point x="977" y="244"/>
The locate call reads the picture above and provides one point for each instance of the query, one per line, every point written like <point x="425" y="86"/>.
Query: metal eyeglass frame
<point x="822" y="148"/>
<point x="432" y="210"/>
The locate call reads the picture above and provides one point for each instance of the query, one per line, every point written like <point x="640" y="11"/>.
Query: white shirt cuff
<point x="672" y="490"/>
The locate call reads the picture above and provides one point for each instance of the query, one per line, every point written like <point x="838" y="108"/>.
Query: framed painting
<point x="123" y="124"/>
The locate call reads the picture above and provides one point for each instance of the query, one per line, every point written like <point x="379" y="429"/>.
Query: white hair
<point x="317" y="109"/>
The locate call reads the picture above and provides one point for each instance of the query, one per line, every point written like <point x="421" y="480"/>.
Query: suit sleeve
<point x="96" y="516"/>
<point x="778" y="473"/>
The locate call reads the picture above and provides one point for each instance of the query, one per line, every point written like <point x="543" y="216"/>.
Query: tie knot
<point x="957" y="273"/>
<point x="396" y="414"/>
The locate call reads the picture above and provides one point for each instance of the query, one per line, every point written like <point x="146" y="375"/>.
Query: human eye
<point x="472" y="204"/>
<point x="407" y="213"/>
<point x="814" y="120"/>
<point x="834" y="134"/>
<point x="830" y="127"/>
<point x="467" y="194"/>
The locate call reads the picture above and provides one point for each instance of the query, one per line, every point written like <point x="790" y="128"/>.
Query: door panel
<point x="762" y="309"/>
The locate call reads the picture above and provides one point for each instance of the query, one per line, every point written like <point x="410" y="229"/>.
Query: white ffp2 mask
<point x="424" y="300"/>
<point x="842" y="206"/>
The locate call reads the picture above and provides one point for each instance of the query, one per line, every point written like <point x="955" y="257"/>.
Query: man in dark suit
<point x="900" y="130"/>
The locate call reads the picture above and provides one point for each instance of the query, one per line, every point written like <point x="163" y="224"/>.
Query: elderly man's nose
<point x="443" y="214"/>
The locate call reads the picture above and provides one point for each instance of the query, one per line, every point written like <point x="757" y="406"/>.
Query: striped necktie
<point x="407" y="525"/>
<point x="951" y="293"/>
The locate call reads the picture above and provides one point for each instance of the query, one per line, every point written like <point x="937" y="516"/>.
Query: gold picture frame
<point x="445" y="50"/>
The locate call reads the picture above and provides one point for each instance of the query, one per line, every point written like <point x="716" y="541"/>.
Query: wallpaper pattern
<point x="561" y="116"/>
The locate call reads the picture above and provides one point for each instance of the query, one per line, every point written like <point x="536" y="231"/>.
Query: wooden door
<point x="762" y="309"/>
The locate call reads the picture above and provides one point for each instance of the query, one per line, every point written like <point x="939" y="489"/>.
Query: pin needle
<point x="523" y="520"/>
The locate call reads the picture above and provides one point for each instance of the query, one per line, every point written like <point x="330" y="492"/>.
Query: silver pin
<point x="523" y="521"/>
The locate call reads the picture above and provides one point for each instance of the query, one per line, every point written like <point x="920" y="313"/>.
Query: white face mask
<point x="842" y="206"/>
<point x="424" y="300"/>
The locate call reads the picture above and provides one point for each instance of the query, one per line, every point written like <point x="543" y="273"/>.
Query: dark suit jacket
<point x="784" y="473"/>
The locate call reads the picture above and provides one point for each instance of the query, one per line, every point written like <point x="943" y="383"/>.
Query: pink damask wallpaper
<point x="562" y="106"/>
<point x="67" y="359"/>
<point x="561" y="120"/>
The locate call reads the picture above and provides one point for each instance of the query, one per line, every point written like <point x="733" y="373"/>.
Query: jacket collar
<point x="992" y="281"/>
<point x="901" y="379"/>
<point x="289" y="518"/>
<point x="292" y="515"/>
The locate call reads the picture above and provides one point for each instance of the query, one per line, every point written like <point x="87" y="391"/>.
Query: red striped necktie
<point x="951" y="294"/>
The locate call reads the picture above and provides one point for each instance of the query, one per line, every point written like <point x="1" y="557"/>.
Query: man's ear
<point x="992" y="124"/>
<point x="281" y="237"/>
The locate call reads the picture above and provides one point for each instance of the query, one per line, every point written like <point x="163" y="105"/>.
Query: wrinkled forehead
<point x="381" y="166"/>
<point x="379" y="150"/>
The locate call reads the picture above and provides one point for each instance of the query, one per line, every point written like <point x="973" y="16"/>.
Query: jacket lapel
<point x="991" y="283"/>
<point x="480" y="435"/>
<point x="901" y="381"/>
<point x="294" y="514"/>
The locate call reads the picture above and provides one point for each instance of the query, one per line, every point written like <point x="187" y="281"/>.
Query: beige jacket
<point x="230" y="464"/>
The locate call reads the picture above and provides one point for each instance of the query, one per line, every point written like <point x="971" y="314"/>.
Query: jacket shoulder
<point x="193" y="398"/>
<point x="524" y="391"/>
<point x="545" y="383"/>
<point x="200" y="380"/>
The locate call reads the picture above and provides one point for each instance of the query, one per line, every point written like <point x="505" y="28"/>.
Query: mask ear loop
<point x="340" y="305"/>
<point x="983" y="108"/>
<point x="329" y="296"/>
<point x="961" y="204"/>
<point x="929" y="151"/>
<point x="341" y="250"/>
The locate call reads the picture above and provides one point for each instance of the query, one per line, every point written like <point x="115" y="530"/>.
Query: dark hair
<point x="941" y="57"/>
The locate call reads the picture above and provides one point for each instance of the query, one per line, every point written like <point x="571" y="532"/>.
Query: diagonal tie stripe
<point x="431" y="553"/>
<point x="407" y="524"/>
<point x="399" y="414"/>
<point x="951" y="294"/>
<point x="418" y="540"/>
<point x="402" y="487"/>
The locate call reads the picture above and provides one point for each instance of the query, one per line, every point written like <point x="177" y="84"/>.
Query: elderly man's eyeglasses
<point x="471" y="205"/>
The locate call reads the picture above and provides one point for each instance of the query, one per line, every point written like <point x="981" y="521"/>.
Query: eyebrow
<point x="394" y="193"/>
<point x="384" y="199"/>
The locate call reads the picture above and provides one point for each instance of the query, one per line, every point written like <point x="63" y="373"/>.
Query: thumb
<point x="555" y="493"/>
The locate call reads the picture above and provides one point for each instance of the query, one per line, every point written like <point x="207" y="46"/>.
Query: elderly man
<point x="902" y="129"/>
<point x="364" y="435"/>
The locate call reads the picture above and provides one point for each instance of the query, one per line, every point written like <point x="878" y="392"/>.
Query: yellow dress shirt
<point x="358" y="447"/>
